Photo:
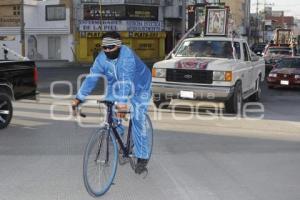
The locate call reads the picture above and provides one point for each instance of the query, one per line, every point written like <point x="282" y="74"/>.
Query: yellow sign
<point x="91" y="34"/>
<point x="126" y="34"/>
<point x="146" y="34"/>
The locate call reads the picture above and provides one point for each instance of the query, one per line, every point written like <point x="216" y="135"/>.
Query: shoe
<point x="140" y="166"/>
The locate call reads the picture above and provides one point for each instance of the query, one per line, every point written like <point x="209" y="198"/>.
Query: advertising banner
<point x="120" y="12"/>
<point x="120" y="25"/>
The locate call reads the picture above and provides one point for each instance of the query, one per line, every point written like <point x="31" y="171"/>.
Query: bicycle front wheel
<point x="100" y="162"/>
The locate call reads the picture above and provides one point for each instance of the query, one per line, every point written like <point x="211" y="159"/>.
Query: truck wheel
<point x="257" y="95"/>
<point x="6" y="110"/>
<point x="234" y="104"/>
<point x="161" y="103"/>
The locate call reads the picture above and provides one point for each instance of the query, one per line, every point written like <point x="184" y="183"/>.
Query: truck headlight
<point x="273" y="75"/>
<point x="158" y="73"/>
<point x="222" y="76"/>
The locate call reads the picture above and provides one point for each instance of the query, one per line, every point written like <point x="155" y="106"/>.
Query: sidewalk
<point x="59" y="63"/>
<point x="66" y="63"/>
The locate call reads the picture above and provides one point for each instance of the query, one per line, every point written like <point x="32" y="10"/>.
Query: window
<point x="289" y="63"/>
<point x="246" y="53"/>
<point x="203" y="48"/>
<point x="55" y="12"/>
<point x="16" y="10"/>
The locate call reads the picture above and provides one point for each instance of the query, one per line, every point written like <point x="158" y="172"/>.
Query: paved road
<point x="194" y="157"/>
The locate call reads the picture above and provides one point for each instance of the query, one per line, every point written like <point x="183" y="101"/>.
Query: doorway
<point x="54" y="48"/>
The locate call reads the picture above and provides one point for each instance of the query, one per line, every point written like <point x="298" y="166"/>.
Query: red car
<point x="286" y="73"/>
<point x="273" y="54"/>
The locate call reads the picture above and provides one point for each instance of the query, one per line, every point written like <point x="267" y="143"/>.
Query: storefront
<point x="139" y="25"/>
<point x="146" y="38"/>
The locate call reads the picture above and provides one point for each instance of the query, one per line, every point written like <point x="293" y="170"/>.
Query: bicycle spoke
<point x="99" y="148"/>
<point x="100" y="166"/>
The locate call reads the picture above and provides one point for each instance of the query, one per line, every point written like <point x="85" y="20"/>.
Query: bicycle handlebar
<point x="77" y="109"/>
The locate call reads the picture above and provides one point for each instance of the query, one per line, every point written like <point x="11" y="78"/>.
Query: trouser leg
<point x="139" y="126"/>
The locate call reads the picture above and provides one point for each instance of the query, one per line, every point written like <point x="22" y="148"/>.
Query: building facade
<point x="267" y="21"/>
<point x="240" y="14"/>
<point x="47" y="28"/>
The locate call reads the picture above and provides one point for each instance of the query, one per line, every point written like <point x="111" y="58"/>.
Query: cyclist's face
<point x="112" y="52"/>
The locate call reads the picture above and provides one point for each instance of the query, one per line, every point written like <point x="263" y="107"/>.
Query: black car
<point x="259" y="48"/>
<point x="18" y="80"/>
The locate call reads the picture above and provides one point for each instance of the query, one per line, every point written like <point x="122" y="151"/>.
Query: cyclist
<point x="128" y="78"/>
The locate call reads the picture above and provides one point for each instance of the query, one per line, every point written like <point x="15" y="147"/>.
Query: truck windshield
<point x="200" y="48"/>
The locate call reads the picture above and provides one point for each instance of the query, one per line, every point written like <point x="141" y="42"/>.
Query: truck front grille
<point x="190" y="76"/>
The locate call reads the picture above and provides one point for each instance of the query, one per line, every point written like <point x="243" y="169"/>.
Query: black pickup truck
<point x="18" y="80"/>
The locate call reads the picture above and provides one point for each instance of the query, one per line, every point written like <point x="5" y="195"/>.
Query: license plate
<point x="284" y="82"/>
<point x="187" y="94"/>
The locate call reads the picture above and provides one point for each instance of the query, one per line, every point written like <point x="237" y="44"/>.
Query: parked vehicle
<point x="286" y="73"/>
<point x="209" y="69"/>
<point x="274" y="54"/>
<point x="258" y="49"/>
<point x="18" y="80"/>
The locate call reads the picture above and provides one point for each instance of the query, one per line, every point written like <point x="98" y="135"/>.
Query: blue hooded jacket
<point x="126" y="77"/>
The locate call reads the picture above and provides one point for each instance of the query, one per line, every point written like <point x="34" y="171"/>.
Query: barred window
<point x="55" y="12"/>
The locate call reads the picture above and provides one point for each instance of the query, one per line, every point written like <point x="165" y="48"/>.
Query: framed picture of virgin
<point x="216" y="21"/>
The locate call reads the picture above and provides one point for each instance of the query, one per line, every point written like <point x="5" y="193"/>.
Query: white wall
<point x="37" y="25"/>
<point x="66" y="44"/>
<point x="14" y="45"/>
<point x="42" y="46"/>
<point x="35" y="20"/>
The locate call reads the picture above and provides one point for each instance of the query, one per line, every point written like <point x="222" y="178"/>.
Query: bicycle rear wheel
<point x="100" y="162"/>
<point x="149" y="132"/>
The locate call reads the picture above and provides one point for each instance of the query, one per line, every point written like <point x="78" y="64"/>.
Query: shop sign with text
<point x="120" y="25"/>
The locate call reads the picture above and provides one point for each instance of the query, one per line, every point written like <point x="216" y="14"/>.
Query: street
<point x="193" y="157"/>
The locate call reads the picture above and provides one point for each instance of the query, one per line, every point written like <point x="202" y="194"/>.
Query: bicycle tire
<point x="98" y="142"/>
<point x="133" y="159"/>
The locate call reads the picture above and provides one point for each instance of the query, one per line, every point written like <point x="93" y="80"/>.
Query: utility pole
<point x="22" y="24"/>
<point x="183" y="25"/>
<point x="100" y="16"/>
<point x="265" y="18"/>
<point x="256" y="27"/>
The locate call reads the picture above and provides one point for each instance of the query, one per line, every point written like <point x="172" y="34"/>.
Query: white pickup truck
<point x="217" y="69"/>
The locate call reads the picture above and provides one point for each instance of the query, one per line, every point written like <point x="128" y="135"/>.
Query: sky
<point x="290" y="7"/>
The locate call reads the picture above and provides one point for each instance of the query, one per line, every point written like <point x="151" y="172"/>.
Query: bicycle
<point x="102" y="153"/>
